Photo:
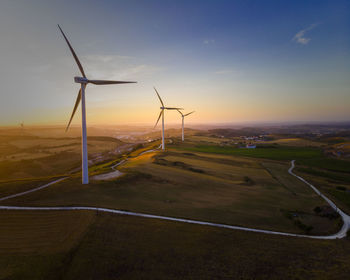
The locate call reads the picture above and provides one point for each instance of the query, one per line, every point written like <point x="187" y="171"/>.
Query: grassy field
<point x="24" y="157"/>
<point x="203" y="182"/>
<point x="329" y="164"/>
<point x="276" y="153"/>
<point x="325" y="172"/>
<point x="33" y="243"/>
<point x="238" y="191"/>
<point x="108" y="246"/>
<point x="310" y="156"/>
<point x="13" y="187"/>
<point x="295" y="142"/>
<point x="334" y="184"/>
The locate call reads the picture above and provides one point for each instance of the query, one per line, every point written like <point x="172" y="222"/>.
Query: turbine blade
<point x="159" y="97"/>
<point x="75" y="108"/>
<point x="180" y="113"/>
<point x="173" y="108"/>
<point x="160" y="114"/>
<point x="73" y="53"/>
<point x="104" y="82"/>
<point x="189" y="113"/>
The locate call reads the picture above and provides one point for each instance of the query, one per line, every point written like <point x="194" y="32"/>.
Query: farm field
<point x="276" y="153"/>
<point x="24" y="157"/>
<point x="328" y="173"/>
<point x="104" y="246"/>
<point x="203" y="186"/>
<point x="310" y="156"/>
<point x="202" y="182"/>
<point x="296" y="142"/>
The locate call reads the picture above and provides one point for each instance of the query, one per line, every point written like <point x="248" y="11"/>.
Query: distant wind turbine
<point x="22" y="127"/>
<point x="183" y="122"/>
<point x="83" y="81"/>
<point x="161" y="114"/>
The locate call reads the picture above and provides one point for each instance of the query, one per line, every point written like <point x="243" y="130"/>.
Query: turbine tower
<point x="183" y="122"/>
<point x="161" y="114"/>
<point x="22" y="127"/>
<point x="83" y="81"/>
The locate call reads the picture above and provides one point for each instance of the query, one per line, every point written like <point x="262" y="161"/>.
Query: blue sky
<point x="231" y="61"/>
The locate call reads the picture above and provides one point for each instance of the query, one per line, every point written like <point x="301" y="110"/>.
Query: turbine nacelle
<point x="81" y="80"/>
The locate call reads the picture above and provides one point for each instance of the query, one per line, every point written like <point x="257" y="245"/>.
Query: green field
<point x="27" y="157"/>
<point x="214" y="183"/>
<point x="310" y="156"/>
<point x="216" y="188"/>
<point x="13" y="187"/>
<point x="276" y="153"/>
<point x="325" y="172"/>
<point x="104" y="246"/>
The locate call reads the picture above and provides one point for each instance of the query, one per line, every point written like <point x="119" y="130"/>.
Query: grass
<point x="278" y="153"/>
<point x="45" y="232"/>
<point x="48" y="166"/>
<point x="309" y="156"/>
<point x="173" y="251"/>
<point x="338" y="177"/>
<point x="35" y="245"/>
<point x="342" y="196"/>
<point x="120" y="247"/>
<point x="296" y="142"/>
<point x="13" y="187"/>
<point x="330" y="164"/>
<point x="218" y="193"/>
<point x="32" y="157"/>
<point x="234" y="186"/>
<point x="335" y="190"/>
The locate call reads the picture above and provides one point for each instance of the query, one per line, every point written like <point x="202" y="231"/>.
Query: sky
<point x="230" y="61"/>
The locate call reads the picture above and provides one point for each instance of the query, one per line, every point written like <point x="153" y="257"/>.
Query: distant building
<point x="250" y="146"/>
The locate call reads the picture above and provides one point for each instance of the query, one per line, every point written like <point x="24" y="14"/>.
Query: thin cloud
<point x="106" y="58"/>
<point x="139" y="70"/>
<point x="223" y="72"/>
<point x="300" y="36"/>
<point x="229" y="72"/>
<point x="116" y="67"/>
<point x="208" y="41"/>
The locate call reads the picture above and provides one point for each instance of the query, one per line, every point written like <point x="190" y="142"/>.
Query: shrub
<point x="287" y="214"/>
<point x="303" y="227"/>
<point x="249" y="181"/>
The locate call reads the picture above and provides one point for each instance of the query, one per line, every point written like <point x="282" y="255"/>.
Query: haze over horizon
<point x="230" y="61"/>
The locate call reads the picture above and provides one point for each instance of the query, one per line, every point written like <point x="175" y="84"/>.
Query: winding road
<point x="341" y="234"/>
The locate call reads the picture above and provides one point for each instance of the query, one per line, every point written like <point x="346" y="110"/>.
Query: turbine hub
<point x="162" y="108"/>
<point x="81" y="80"/>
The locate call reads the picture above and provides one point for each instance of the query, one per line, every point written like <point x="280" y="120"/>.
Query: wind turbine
<point x="22" y="127"/>
<point x="83" y="81"/>
<point x="161" y="114"/>
<point x="183" y="122"/>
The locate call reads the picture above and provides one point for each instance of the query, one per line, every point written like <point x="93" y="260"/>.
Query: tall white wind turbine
<point x="83" y="81"/>
<point x="183" y="122"/>
<point x="161" y="114"/>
